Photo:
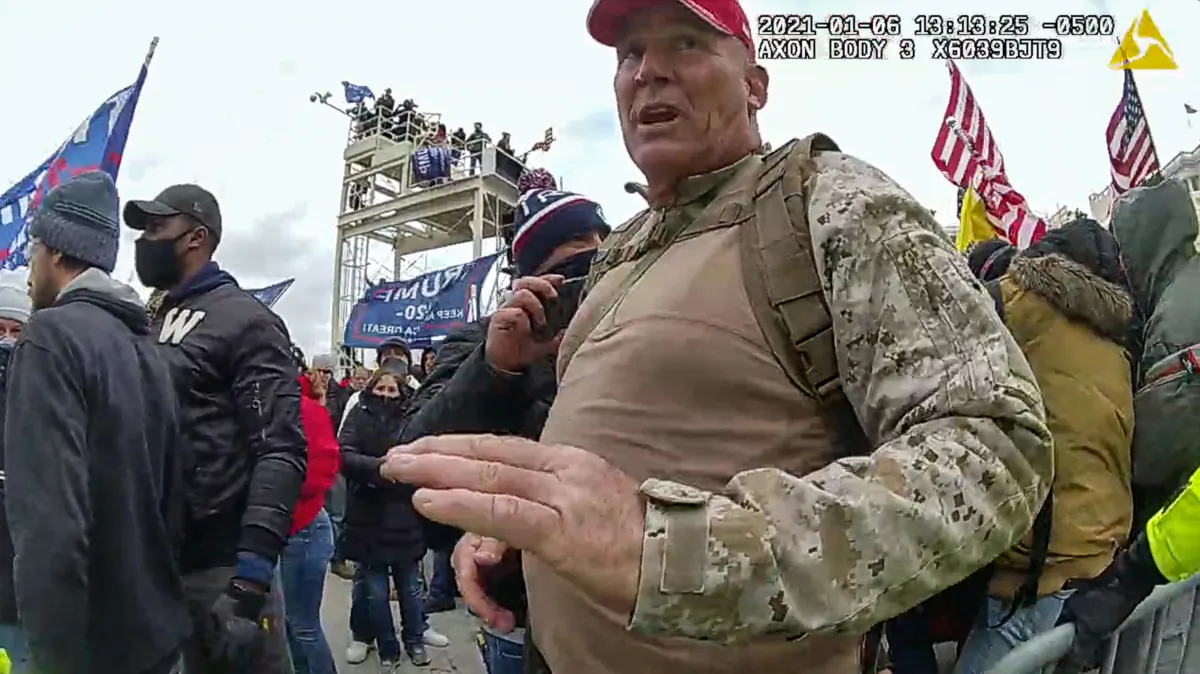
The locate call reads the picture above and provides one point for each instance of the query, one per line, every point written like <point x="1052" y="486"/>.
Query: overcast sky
<point x="226" y="105"/>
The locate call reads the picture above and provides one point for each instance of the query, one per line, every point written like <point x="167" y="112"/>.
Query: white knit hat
<point x="14" y="304"/>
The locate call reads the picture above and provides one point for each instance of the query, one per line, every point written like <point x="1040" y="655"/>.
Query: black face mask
<point x="392" y="404"/>
<point x="156" y="263"/>
<point x="575" y="266"/>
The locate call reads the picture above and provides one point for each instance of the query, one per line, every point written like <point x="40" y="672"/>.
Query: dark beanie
<point x="989" y="259"/>
<point x="394" y="343"/>
<point x="1085" y="242"/>
<point x="545" y="220"/>
<point x="79" y="218"/>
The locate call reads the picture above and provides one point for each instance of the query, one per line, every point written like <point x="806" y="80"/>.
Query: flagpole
<point x="150" y="54"/>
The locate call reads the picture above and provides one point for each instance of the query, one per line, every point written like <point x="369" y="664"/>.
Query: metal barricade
<point x="1162" y="636"/>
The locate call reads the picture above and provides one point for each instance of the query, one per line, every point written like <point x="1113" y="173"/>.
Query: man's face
<point x="684" y="93"/>
<point x="393" y="354"/>
<point x="170" y="227"/>
<point x="162" y="246"/>
<point x="43" y="281"/>
<point x="359" y="379"/>
<point x="589" y="241"/>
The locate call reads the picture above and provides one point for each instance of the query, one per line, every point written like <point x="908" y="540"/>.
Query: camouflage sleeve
<point x="961" y="465"/>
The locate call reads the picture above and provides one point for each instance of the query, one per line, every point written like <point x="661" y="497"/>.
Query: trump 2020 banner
<point x="421" y="310"/>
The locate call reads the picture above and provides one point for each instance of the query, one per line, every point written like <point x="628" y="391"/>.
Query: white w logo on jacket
<point x="178" y="324"/>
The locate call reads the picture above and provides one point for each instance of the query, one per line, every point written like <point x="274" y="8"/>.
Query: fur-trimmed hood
<point x="1079" y="294"/>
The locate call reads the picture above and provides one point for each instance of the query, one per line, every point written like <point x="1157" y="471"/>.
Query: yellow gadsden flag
<point x="973" y="223"/>
<point x="1143" y="48"/>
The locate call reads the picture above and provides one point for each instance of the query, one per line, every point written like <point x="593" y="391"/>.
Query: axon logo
<point x="178" y="324"/>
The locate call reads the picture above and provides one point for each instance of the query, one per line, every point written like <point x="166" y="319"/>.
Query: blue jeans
<point x="443" y="586"/>
<point x="502" y="654"/>
<point x="302" y="567"/>
<point x="371" y="610"/>
<point x="986" y="645"/>
<point x="335" y="505"/>
<point x="12" y="640"/>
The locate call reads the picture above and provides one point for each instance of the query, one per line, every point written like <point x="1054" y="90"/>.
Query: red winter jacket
<point x="324" y="459"/>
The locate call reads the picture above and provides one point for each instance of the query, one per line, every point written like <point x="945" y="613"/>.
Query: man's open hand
<point x="568" y="507"/>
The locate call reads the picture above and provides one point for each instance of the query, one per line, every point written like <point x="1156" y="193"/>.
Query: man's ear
<point x="757" y="81"/>
<point x="203" y="240"/>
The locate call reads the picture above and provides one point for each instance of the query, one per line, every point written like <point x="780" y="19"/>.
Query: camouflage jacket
<point x="961" y="462"/>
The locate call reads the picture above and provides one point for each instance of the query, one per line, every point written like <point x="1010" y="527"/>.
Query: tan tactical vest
<point x="769" y="208"/>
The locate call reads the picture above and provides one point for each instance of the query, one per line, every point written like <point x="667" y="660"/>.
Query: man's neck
<point x="67" y="280"/>
<point x="665" y="192"/>
<point x="188" y="274"/>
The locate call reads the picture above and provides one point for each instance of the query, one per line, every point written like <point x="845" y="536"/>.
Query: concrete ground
<point x="460" y="657"/>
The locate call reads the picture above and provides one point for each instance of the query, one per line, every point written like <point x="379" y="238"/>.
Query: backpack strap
<point x="1027" y="593"/>
<point x="663" y="231"/>
<point x="780" y="270"/>
<point x="1039" y="551"/>
<point x="993" y="288"/>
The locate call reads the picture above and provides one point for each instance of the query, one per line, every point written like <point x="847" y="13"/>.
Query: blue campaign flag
<point x="357" y="93"/>
<point x="430" y="163"/>
<point x="97" y="145"/>
<point x="421" y="310"/>
<point x="271" y="294"/>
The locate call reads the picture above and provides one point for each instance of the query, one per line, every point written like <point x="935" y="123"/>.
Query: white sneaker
<point x="357" y="651"/>
<point x="436" y="639"/>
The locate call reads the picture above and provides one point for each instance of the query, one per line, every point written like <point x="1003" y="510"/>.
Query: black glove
<point x="235" y="631"/>
<point x="1100" y="605"/>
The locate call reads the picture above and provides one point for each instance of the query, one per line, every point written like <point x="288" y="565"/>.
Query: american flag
<point x="545" y="143"/>
<point x="1130" y="148"/>
<point x="1007" y="210"/>
<point x="967" y="154"/>
<point x="950" y="153"/>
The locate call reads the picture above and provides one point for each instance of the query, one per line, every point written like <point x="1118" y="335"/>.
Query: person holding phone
<point x="487" y="381"/>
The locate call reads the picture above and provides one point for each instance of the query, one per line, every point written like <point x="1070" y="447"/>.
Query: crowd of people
<point x="775" y="421"/>
<point x="404" y="122"/>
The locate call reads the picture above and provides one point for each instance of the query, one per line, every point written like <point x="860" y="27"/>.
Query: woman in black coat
<point x="383" y="532"/>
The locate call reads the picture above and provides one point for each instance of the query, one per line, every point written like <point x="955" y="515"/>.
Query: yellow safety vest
<point x="1174" y="534"/>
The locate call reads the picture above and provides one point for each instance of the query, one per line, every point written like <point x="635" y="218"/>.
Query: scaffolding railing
<point x="1162" y="636"/>
<point x="423" y="130"/>
<point x="398" y="125"/>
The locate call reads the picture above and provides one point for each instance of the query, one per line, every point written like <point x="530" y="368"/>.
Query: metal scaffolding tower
<point x="382" y="207"/>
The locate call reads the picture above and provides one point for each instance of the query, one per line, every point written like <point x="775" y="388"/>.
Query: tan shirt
<point x="677" y="382"/>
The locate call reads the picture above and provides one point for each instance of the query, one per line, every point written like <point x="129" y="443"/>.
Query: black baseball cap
<point x="186" y="199"/>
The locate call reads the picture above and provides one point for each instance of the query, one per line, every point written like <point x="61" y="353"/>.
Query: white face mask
<point x="8" y="342"/>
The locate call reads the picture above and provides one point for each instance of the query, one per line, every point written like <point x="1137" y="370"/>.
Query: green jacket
<point x="1157" y="229"/>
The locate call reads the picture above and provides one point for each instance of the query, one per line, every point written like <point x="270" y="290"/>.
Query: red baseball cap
<point x="606" y="16"/>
